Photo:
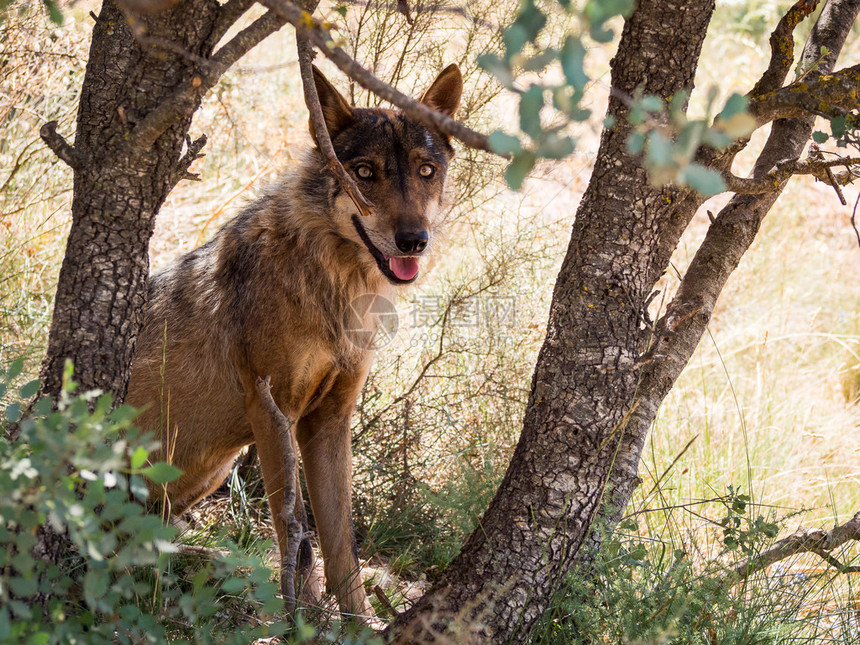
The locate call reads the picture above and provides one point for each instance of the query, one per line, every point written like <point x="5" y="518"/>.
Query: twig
<point x="62" y="148"/>
<point x="323" y="140"/>
<point x="192" y="154"/>
<point x="384" y="601"/>
<point x="772" y="180"/>
<point x="203" y="551"/>
<point x="295" y="533"/>
<point x="320" y="37"/>
<point x="854" y="220"/>
<point x="803" y="540"/>
<point x="403" y="7"/>
<point x="228" y="14"/>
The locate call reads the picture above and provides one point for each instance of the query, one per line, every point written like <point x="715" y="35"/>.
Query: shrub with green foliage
<point x="79" y="470"/>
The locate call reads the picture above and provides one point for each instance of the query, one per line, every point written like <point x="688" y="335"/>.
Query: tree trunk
<point x="602" y="371"/>
<point x="584" y="382"/>
<point x="119" y="187"/>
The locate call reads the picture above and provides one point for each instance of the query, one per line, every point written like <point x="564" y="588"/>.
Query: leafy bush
<point x="75" y="474"/>
<point x="647" y="589"/>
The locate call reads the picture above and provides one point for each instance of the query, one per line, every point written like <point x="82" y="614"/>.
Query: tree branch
<point x="192" y="154"/>
<point x="187" y="97"/>
<point x="782" y="48"/>
<point x="783" y="170"/>
<point x="678" y="331"/>
<point x="287" y="513"/>
<point x="228" y="14"/>
<point x="803" y="540"/>
<point x="62" y="148"/>
<point x="322" y="40"/>
<point x="828" y="95"/>
<point x="323" y="140"/>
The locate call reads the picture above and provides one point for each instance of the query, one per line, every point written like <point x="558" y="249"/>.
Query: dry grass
<point x="770" y="396"/>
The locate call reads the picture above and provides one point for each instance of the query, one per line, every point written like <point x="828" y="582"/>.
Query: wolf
<point x="266" y="298"/>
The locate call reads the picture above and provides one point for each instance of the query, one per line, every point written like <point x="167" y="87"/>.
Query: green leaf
<point x="13" y="412"/>
<point x="497" y="67"/>
<point x="15" y="369"/>
<point x="737" y="104"/>
<point x="515" y="38"/>
<point x="531" y="102"/>
<point x="704" y="180"/>
<point x="660" y="149"/>
<point x="517" y="170"/>
<point x="139" y="457"/>
<point x="30" y="389"/>
<point x="652" y="103"/>
<point x="162" y="472"/>
<point x="635" y="143"/>
<point x="572" y="62"/>
<point x="838" y="126"/>
<point x="54" y="12"/>
<point x="555" y="147"/>
<point x="819" y="137"/>
<point x="341" y="10"/>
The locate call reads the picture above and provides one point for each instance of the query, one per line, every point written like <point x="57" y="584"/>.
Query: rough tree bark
<point x="603" y="371"/>
<point x="145" y="77"/>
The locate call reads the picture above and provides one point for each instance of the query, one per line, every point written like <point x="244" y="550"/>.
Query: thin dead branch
<point x="773" y="180"/>
<point x="829" y="95"/>
<point x="295" y="532"/>
<point x="62" y="148"/>
<point x="228" y="14"/>
<point x="192" y="154"/>
<point x="803" y="540"/>
<point x="321" y="38"/>
<point x="323" y="140"/>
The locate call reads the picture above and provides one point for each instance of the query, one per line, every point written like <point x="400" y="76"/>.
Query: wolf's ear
<point x="444" y="95"/>
<point x="336" y="111"/>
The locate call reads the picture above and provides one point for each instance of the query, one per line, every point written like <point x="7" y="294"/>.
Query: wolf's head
<point x="399" y="165"/>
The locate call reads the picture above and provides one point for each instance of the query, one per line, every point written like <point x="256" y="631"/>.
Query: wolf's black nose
<point x="411" y="241"/>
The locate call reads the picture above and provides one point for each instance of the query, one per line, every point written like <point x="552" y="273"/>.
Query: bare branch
<point x="295" y="534"/>
<point x="463" y="12"/>
<point x="772" y="180"/>
<point x="62" y="148"/>
<point x="782" y="48"/>
<point x="323" y="140"/>
<point x="803" y="540"/>
<point x="321" y="39"/>
<point x="228" y="14"/>
<point x="192" y="154"/>
<point x="679" y="330"/>
<point x="403" y="7"/>
<point x="188" y="96"/>
<point x="828" y="95"/>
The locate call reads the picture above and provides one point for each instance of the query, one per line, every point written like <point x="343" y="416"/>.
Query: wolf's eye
<point x="364" y="171"/>
<point x="426" y="170"/>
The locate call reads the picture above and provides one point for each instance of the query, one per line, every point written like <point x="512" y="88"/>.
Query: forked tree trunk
<point x="602" y="373"/>
<point x="119" y="188"/>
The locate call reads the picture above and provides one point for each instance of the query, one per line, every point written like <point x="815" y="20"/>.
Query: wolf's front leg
<point x="325" y="443"/>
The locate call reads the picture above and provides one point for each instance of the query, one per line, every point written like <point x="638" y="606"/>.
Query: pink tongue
<point x="403" y="268"/>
